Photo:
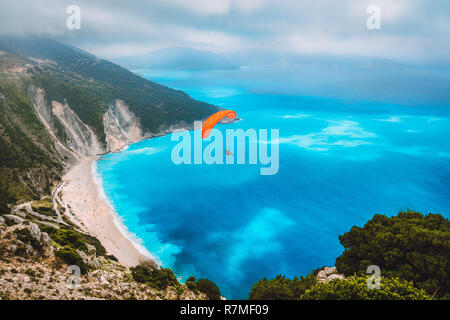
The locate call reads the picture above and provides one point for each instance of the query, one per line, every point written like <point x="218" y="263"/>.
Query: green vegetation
<point x="111" y="257"/>
<point x="411" y="249"/>
<point x="161" y="278"/>
<point x="209" y="288"/>
<point x="4" y="295"/>
<point x="205" y="286"/>
<point x="27" y="149"/>
<point x="410" y="246"/>
<point x="191" y="284"/>
<point x="43" y="206"/>
<point x="71" y="241"/>
<point x="154" y="277"/>
<point x="99" y="248"/>
<point x="69" y="238"/>
<point x="75" y="240"/>
<point x="282" y="288"/>
<point x="355" y="288"/>
<point x="71" y="257"/>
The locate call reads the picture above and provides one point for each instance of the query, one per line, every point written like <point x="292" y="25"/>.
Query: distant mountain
<point x="292" y="60"/>
<point x="58" y="104"/>
<point x="177" y="58"/>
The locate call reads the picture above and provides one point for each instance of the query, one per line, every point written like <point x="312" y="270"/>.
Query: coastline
<point x="83" y="193"/>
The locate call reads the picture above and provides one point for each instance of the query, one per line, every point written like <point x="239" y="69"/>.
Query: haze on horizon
<point x="413" y="31"/>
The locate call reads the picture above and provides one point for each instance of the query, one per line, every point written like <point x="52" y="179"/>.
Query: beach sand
<point x="81" y="193"/>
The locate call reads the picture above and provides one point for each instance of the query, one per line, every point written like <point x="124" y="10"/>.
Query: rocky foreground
<point x="32" y="267"/>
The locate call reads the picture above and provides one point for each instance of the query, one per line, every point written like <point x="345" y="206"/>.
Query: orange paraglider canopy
<point x="209" y="123"/>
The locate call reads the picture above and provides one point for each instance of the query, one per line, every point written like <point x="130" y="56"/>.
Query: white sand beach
<point x="81" y="193"/>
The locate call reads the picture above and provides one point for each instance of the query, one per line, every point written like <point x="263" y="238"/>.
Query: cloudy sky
<point x="411" y="30"/>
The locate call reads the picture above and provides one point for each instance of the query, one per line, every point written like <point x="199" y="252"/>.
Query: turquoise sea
<point x="352" y="143"/>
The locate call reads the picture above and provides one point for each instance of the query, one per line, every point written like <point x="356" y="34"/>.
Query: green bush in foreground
<point x="355" y="288"/>
<point x="147" y="272"/>
<point x="71" y="257"/>
<point x="191" y="284"/>
<point x="209" y="288"/>
<point x="411" y="246"/>
<point x="281" y="288"/>
<point x="69" y="238"/>
<point x="157" y="278"/>
<point x="76" y="240"/>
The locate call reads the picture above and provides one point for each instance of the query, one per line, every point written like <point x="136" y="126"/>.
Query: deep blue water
<point x="352" y="143"/>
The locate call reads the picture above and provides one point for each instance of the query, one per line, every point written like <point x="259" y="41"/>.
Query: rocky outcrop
<point x="328" y="274"/>
<point x="79" y="137"/>
<point x="12" y="219"/>
<point x="26" y="240"/>
<point x="38" y="97"/>
<point x="30" y="270"/>
<point x="45" y="115"/>
<point x="121" y="126"/>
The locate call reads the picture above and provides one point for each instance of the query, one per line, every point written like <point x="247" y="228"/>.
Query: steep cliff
<point x="74" y="139"/>
<point x="71" y="137"/>
<point x="121" y="126"/>
<point x="79" y="137"/>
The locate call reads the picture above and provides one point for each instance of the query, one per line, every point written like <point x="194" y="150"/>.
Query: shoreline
<point x="83" y="193"/>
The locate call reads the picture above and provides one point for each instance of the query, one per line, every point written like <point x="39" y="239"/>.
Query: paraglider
<point x="209" y="123"/>
<point x="234" y="140"/>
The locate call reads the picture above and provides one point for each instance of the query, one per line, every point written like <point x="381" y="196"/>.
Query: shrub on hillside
<point x="99" y="248"/>
<point x="209" y="288"/>
<point x="75" y="240"/>
<point x="410" y="246"/>
<point x="157" y="278"/>
<point x="191" y="283"/>
<point x="71" y="238"/>
<point x="163" y="278"/>
<point x="71" y="257"/>
<point x="281" y="288"/>
<point x="111" y="257"/>
<point x="355" y="288"/>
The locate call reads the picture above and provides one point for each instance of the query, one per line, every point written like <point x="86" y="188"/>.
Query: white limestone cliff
<point x="122" y="127"/>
